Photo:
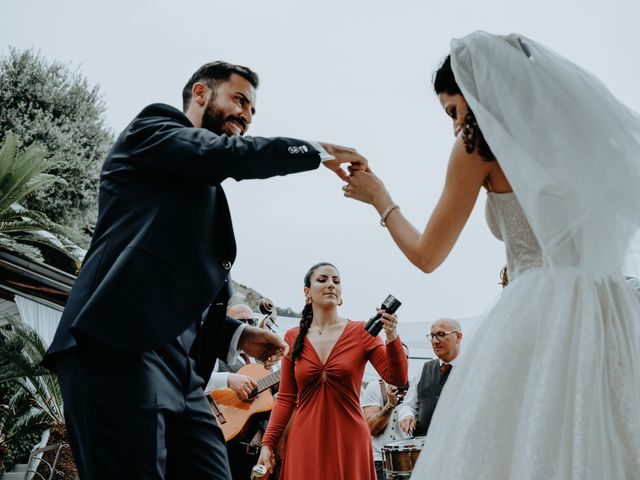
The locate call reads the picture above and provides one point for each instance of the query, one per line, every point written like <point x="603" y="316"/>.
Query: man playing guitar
<point x="243" y="449"/>
<point x="224" y="375"/>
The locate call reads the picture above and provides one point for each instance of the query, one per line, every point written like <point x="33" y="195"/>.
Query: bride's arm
<point x="427" y="250"/>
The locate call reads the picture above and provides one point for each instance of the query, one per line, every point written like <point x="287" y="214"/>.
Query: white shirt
<point x="219" y="380"/>
<point x="324" y="156"/>
<point x="372" y="397"/>
<point x="409" y="407"/>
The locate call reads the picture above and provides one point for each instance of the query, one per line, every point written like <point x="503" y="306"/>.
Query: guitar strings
<point x="233" y="398"/>
<point x="229" y="396"/>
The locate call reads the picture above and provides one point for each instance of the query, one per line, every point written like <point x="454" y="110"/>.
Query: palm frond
<point x="18" y="193"/>
<point x="21" y="352"/>
<point x="7" y="154"/>
<point x="18" y="212"/>
<point x="42" y="238"/>
<point x="31" y="227"/>
<point x="20" y="249"/>
<point x="19" y="417"/>
<point x="17" y="223"/>
<point x="23" y="173"/>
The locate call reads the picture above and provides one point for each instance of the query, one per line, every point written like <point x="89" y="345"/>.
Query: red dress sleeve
<point x="287" y="396"/>
<point x="389" y="360"/>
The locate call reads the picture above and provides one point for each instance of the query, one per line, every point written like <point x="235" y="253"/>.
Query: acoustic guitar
<point x="232" y="412"/>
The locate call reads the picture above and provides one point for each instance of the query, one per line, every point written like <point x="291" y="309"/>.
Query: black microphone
<point x="374" y="325"/>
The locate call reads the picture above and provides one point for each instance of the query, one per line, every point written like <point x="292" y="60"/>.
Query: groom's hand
<point x="343" y="155"/>
<point x="262" y="345"/>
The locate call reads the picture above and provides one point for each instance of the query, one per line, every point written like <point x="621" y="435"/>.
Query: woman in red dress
<point x="329" y="438"/>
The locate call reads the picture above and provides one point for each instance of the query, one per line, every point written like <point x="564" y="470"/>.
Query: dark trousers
<point x="380" y="470"/>
<point x="242" y="458"/>
<point x="139" y="415"/>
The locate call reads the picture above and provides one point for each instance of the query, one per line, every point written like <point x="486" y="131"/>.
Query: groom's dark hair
<point x="214" y="73"/>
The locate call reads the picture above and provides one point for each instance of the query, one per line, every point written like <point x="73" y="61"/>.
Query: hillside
<point x="244" y="294"/>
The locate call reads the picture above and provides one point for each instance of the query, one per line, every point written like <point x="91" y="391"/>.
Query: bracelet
<point x="386" y="213"/>
<point x="387" y="409"/>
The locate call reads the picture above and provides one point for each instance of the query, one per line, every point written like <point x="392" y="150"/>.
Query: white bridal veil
<point x="549" y="384"/>
<point x="570" y="150"/>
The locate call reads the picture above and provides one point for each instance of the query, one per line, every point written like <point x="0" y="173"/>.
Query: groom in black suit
<point x="146" y="318"/>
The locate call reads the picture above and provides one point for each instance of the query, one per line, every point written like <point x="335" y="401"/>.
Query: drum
<point x="400" y="457"/>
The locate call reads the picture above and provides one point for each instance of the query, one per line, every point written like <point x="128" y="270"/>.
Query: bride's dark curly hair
<point x="445" y="82"/>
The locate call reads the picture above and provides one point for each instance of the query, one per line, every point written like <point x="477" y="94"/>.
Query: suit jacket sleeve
<point x="162" y="141"/>
<point x="213" y="340"/>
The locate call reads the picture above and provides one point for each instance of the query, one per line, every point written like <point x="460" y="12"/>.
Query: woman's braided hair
<point x="307" y="314"/>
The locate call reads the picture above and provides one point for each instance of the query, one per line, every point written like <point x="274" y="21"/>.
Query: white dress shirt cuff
<point x="409" y="408"/>
<point x="324" y="156"/>
<point x="233" y="345"/>
<point x="404" y="414"/>
<point x="217" y="381"/>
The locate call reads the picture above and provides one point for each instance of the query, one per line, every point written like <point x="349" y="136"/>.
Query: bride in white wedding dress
<point x="549" y="385"/>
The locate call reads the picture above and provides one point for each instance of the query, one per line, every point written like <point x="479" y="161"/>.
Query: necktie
<point x="444" y="368"/>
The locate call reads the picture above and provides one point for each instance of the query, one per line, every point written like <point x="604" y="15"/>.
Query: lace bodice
<point x="507" y="222"/>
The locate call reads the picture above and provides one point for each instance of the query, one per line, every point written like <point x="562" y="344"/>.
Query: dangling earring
<point x="340" y="302"/>
<point x="309" y="300"/>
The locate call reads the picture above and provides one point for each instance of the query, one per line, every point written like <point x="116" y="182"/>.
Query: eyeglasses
<point x="439" y="335"/>
<point x="249" y="321"/>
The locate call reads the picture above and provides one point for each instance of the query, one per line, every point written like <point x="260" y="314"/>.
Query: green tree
<point x="18" y="418"/>
<point x="21" y="352"/>
<point x="22" y="229"/>
<point x="35" y="400"/>
<point x="48" y="103"/>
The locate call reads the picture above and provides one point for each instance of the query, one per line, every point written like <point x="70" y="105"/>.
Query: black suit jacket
<point x="164" y="244"/>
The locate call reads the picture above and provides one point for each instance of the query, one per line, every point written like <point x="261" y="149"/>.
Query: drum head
<point x="405" y="445"/>
<point x="419" y="441"/>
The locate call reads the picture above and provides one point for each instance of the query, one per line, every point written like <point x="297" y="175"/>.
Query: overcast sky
<point x="350" y="72"/>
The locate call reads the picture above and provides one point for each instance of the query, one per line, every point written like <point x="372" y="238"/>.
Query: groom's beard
<point x="214" y="120"/>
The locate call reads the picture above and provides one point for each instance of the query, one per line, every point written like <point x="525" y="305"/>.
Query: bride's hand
<point x="364" y="186"/>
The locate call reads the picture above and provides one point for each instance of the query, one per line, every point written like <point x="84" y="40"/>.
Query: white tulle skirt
<point x="548" y="387"/>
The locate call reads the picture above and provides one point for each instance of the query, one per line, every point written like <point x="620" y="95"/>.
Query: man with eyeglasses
<point x="242" y="454"/>
<point x="419" y="404"/>
<point x="224" y="374"/>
